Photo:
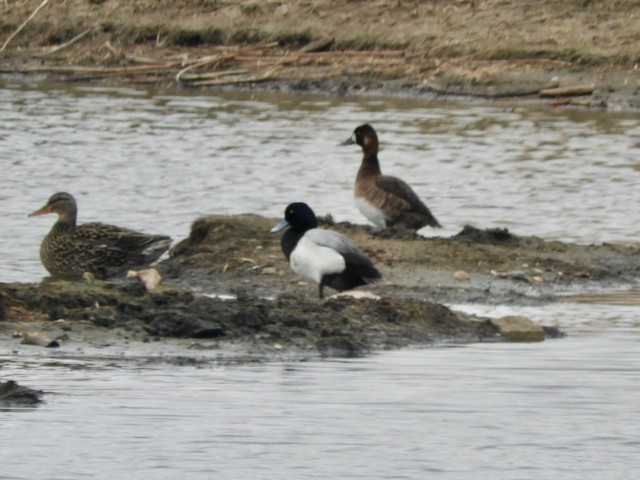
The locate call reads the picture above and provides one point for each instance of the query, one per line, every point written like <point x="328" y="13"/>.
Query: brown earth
<point x="492" y="49"/>
<point x="228" y="254"/>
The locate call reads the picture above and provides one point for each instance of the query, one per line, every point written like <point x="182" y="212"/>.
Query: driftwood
<point x="573" y="91"/>
<point x="525" y="92"/>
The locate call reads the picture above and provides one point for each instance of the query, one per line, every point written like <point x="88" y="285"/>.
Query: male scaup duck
<point x="385" y="201"/>
<point x="322" y="256"/>
<point x="70" y="250"/>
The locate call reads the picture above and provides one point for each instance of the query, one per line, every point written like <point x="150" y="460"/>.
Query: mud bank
<point x="228" y="254"/>
<point x="228" y="288"/>
<point x="289" y="325"/>
<point x="570" y="52"/>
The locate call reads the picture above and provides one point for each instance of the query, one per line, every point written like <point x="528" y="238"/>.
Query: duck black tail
<point x="353" y="276"/>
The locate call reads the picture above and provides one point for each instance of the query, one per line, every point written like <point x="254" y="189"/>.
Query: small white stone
<point x="150" y="277"/>
<point x="461" y="276"/>
<point x="358" y="294"/>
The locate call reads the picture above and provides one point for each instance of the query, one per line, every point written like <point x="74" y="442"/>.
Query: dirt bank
<point x="288" y="325"/>
<point x="257" y="308"/>
<point x="227" y="254"/>
<point x="489" y="49"/>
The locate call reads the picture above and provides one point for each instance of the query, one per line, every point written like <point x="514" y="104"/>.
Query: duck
<point x="103" y="251"/>
<point x="321" y="256"/>
<point x="384" y="200"/>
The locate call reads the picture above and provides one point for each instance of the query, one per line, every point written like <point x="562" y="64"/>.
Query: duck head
<point x="297" y="216"/>
<point x="365" y="136"/>
<point x="61" y="203"/>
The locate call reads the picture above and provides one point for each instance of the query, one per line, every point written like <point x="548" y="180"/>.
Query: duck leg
<point x="321" y="288"/>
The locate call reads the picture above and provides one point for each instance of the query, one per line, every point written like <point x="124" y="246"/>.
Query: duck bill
<point x="43" y="211"/>
<point x="348" y="141"/>
<point x="281" y="226"/>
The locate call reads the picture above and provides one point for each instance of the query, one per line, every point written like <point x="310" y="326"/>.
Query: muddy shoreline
<point x="580" y="54"/>
<point x="228" y="289"/>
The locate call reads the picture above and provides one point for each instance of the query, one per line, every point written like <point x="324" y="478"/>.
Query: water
<point x="560" y="409"/>
<point x="156" y="160"/>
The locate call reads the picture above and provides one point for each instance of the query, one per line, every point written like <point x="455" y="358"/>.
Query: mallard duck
<point x="386" y="201"/>
<point x="322" y="256"/>
<point x="71" y="250"/>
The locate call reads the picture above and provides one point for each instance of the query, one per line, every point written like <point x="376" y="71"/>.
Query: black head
<point x="297" y="216"/>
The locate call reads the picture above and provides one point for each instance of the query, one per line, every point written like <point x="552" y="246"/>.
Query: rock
<point x="38" y="339"/>
<point x="519" y="329"/>
<point x="271" y="271"/>
<point x="358" y="294"/>
<point x="461" y="276"/>
<point x="12" y="394"/>
<point x="489" y="235"/>
<point x="150" y="277"/>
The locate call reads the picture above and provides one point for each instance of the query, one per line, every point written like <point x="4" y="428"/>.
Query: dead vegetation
<point x="485" y="48"/>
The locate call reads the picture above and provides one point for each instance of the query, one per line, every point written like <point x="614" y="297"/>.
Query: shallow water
<point x="156" y="160"/>
<point x="559" y="409"/>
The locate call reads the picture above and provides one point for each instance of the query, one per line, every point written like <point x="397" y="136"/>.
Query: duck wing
<point x="341" y="244"/>
<point x="119" y="245"/>
<point x="116" y="237"/>
<point x="399" y="196"/>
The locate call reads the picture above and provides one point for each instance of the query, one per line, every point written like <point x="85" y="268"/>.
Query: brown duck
<point x="70" y="250"/>
<point x="385" y="201"/>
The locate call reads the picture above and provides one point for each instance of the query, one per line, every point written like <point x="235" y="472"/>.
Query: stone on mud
<point x="519" y="329"/>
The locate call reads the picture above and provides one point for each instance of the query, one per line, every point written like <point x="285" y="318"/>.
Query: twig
<point x="98" y="70"/>
<point x="24" y="24"/>
<point x="204" y="76"/>
<point x="266" y="76"/>
<point x="65" y="44"/>
<point x="202" y="62"/>
<point x="317" y="46"/>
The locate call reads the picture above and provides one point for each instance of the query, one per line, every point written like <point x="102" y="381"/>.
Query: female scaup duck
<point x="386" y="201"/>
<point x="322" y="256"/>
<point x="70" y="250"/>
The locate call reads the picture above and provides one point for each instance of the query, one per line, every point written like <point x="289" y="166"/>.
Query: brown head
<point x="61" y="203"/>
<point x="366" y="137"/>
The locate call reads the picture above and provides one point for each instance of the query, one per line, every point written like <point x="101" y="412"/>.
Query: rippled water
<point x="560" y="409"/>
<point x="156" y="160"/>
